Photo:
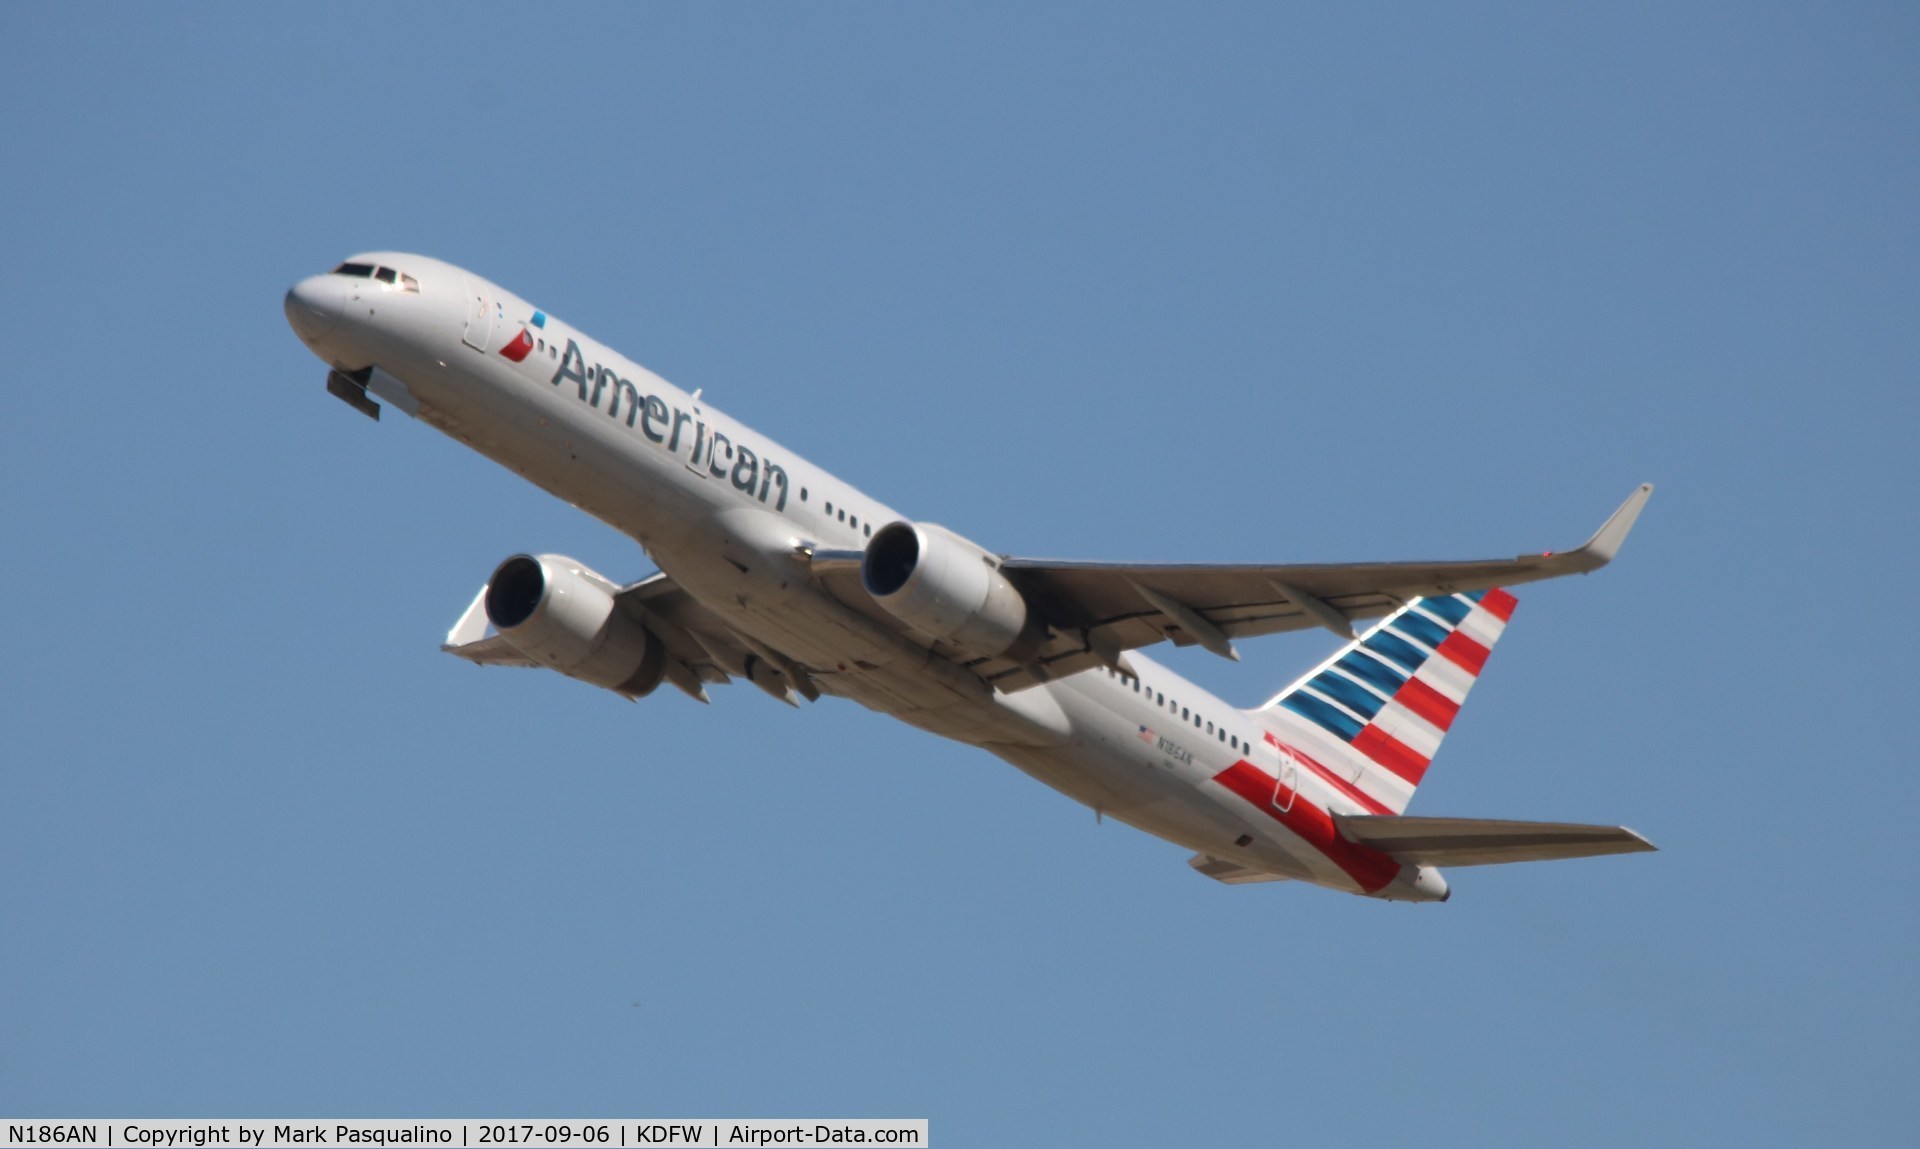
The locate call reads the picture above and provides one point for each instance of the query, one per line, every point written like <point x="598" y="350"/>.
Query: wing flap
<point x="708" y="644"/>
<point x="696" y="636"/>
<point x="1484" y="841"/>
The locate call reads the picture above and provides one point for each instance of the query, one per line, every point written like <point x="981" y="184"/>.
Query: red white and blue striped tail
<point x="1374" y="714"/>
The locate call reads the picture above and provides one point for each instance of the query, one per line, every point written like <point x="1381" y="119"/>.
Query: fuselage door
<point x="1286" y="785"/>
<point x="479" y="316"/>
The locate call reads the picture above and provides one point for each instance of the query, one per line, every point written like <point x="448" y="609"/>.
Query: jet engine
<point x="561" y="615"/>
<point x="949" y="587"/>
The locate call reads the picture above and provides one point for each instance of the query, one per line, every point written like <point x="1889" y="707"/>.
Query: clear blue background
<point x="1096" y="281"/>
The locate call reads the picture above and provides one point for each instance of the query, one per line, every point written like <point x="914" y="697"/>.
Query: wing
<point x="474" y="640"/>
<point x="1483" y="841"/>
<point x="1096" y="611"/>
<point x="692" y="634"/>
<point x="700" y="646"/>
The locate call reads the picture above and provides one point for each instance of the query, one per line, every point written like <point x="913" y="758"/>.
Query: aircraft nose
<point x="314" y="306"/>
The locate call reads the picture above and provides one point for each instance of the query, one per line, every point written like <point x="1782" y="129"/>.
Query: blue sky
<point x="1107" y="282"/>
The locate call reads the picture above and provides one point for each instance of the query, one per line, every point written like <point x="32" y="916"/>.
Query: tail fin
<point x="1374" y="714"/>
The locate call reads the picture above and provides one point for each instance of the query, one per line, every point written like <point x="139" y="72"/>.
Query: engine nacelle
<point x="946" y="586"/>
<point x="562" y="616"/>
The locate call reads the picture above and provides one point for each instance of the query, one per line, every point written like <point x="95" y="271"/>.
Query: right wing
<point x="1094" y="612"/>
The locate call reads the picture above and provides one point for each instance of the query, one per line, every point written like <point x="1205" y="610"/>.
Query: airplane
<point x="774" y="572"/>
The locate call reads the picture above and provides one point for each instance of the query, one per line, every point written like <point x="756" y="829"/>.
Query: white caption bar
<point x="462" y="1133"/>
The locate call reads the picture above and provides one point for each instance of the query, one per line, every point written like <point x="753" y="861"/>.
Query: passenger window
<point x="387" y="275"/>
<point x="843" y="514"/>
<point x="803" y="494"/>
<point x="829" y="510"/>
<point x="854" y="521"/>
<point x="1209" y="728"/>
<point x="1158" y="698"/>
<point x="1184" y="714"/>
<point x="869" y="529"/>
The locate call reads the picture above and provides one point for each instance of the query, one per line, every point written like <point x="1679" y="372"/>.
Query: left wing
<point x="693" y="635"/>
<point x="700" y="646"/>
<point x="475" y="640"/>
<point x="1094" y="612"/>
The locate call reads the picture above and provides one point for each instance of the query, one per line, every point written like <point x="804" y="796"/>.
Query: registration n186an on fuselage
<point x="774" y="572"/>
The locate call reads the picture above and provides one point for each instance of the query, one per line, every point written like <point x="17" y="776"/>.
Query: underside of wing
<point x="1484" y="841"/>
<point x="705" y="642"/>
<point x="692" y="633"/>
<point x="698" y="646"/>
<point x="472" y="639"/>
<point x="1094" y="612"/>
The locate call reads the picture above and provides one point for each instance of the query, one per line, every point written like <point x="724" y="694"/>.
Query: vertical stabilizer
<point x="1373" y="715"/>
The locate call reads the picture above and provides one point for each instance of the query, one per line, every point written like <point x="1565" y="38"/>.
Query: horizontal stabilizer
<point x="1484" y="841"/>
<point x="1232" y="873"/>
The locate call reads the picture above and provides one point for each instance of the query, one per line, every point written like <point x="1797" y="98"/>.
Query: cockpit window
<point x="386" y="275"/>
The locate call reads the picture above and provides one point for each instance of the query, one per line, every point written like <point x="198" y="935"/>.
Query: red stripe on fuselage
<point x="1366" y="801"/>
<point x="1428" y="703"/>
<point x="1369" y="869"/>
<point x="1392" y="753"/>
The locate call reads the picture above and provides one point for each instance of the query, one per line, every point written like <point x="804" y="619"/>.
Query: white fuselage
<point x="721" y="509"/>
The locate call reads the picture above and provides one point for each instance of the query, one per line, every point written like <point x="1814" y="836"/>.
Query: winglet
<point x="1599" y="550"/>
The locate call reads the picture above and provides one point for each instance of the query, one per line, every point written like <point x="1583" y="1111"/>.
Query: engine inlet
<point x="514" y="592"/>
<point x="890" y="559"/>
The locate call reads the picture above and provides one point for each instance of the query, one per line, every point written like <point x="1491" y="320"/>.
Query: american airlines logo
<point x="521" y="345"/>
<point x="708" y="449"/>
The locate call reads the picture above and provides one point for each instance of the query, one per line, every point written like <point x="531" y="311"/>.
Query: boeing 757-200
<point x="774" y="572"/>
